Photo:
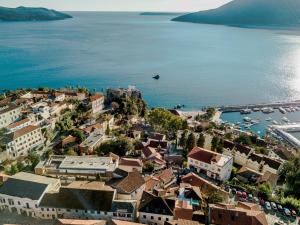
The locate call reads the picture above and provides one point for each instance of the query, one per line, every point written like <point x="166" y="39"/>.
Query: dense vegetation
<point x="165" y="122"/>
<point x="30" y="14"/>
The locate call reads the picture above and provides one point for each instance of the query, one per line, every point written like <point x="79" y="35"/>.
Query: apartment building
<point x="9" y="114"/>
<point x="97" y="103"/>
<point x="22" y="141"/>
<point x="211" y="164"/>
<point x="22" y="193"/>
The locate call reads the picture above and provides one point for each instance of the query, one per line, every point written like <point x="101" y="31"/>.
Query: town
<point x="77" y="156"/>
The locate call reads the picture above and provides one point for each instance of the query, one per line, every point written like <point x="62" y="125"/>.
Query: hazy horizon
<point x="119" y="5"/>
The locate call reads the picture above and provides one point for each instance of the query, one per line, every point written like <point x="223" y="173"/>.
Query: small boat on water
<point x="256" y="109"/>
<point x="297" y="108"/>
<point x="267" y="110"/>
<point x="269" y="119"/>
<point x="282" y="110"/>
<point x="275" y="122"/>
<point x="156" y="77"/>
<point x="284" y="119"/>
<point x="247" y="119"/>
<point x="245" y="111"/>
<point x="288" y="109"/>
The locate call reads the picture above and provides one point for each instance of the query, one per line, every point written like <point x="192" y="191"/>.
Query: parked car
<point x="239" y="194"/>
<point x="255" y="199"/>
<point x="268" y="205"/>
<point x="280" y="208"/>
<point x="294" y="214"/>
<point x="227" y="188"/>
<point x="244" y="194"/>
<point x="233" y="191"/>
<point x="250" y="197"/>
<point x="273" y="205"/>
<point x="287" y="212"/>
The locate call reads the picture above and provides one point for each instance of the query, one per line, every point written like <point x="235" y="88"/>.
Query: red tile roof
<point x="22" y="132"/>
<point x="18" y="123"/>
<point x="96" y="97"/>
<point x="130" y="162"/>
<point x="204" y="155"/>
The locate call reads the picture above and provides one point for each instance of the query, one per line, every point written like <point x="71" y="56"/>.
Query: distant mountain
<point x="30" y="14"/>
<point x="250" y="13"/>
<point x="160" y="14"/>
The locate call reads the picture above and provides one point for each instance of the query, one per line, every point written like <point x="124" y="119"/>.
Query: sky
<point x="118" y="5"/>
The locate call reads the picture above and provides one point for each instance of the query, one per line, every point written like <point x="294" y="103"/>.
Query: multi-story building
<point x="22" y="141"/>
<point x="22" y="193"/>
<point x="156" y="210"/>
<point x="9" y="114"/>
<point x="212" y="164"/>
<point x="18" y="125"/>
<point x="97" y="103"/>
<point x="93" y="141"/>
<point x="243" y="213"/>
<point x="77" y="166"/>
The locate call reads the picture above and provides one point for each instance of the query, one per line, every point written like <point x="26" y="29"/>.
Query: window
<point x="232" y="217"/>
<point x="220" y="216"/>
<point x="167" y="219"/>
<point x="144" y="216"/>
<point x="159" y="218"/>
<point x="152" y="218"/>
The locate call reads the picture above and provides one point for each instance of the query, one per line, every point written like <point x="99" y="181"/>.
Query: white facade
<point x="151" y="218"/>
<point x="9" y="114"/>
<point x="26" y="140"/>
<point x="219" y="169"/>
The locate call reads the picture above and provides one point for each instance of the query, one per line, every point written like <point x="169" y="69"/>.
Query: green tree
<point x="244" y="139"/>
<point x="190" y="142"/>
<point x="201" y="140"/>
<point x="78" y="134"/>
<point x="214" y="143"/>
<point x="12" y="170"/>
<point x="264" y="190"/>
<point x="34" y="159"/>
<point x="291" y="173"/>
<point x="71" y="152"/>
<point x="120" y="146"/>
<point x="20" y="166"/>
<point x="148" y="167"/>
<point x="215" y="197"/>
<point x="107" y="131"/>
<point x="182" y="139"/>
<point x="164" y="121"/>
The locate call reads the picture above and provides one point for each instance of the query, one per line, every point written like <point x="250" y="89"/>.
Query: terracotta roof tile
<point x="204" y="155"/>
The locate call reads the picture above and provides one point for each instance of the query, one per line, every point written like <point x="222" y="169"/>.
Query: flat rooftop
<point x="93" y="139"/>
<point x="87" y="163"/>
<point x="34" y="178"/>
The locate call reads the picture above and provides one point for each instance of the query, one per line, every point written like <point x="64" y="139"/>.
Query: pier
<point x="260" y="106"/>
<point x="284" y="132"/>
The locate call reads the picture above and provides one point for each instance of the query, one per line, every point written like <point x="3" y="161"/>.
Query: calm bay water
<point x="199" y="64"/>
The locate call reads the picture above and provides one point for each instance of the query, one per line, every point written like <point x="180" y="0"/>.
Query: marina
<point x="283" y="107"/>
<point x="259" y="122"/>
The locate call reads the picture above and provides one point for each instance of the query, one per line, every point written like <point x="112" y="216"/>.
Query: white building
<point x="156" y="210"/>
<point x="77" y="166"/>
<point x="212" y="164"/>
<point x="22" y="141"/>
<point x="9" y="114"/>
<point x="97" y="103"/>
<point x="130" y="164"/>
<point x="23" y="192"/>
<point x="93" y="141"/>
<point x="18" y="125"/>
